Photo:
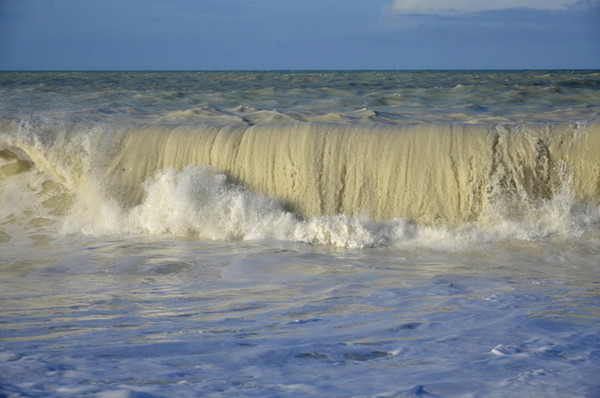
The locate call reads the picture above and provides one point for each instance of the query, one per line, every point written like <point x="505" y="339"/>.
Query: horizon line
<point x="305" y="70"/>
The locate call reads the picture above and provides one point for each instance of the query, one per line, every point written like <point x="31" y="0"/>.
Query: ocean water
<point x="300" y="234"/>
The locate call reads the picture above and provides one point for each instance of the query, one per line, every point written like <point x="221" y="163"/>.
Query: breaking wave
<point x="444" y="186"/>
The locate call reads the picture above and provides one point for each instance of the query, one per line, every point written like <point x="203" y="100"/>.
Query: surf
<point x="325" y="183"/>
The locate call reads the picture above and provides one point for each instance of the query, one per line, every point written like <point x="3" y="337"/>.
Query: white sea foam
<point x="200" y="203"/>
<point x="171" y="220"/>
<point x="433" y="186"/>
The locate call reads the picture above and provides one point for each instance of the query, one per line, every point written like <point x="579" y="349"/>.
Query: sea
<point x="300" y="234"/>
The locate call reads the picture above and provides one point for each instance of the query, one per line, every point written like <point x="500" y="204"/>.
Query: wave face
<point x="366" y="158"/>
<point x="341" y="184"/>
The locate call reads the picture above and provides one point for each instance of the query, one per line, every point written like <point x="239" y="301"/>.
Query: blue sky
<point x="299" y="34"/>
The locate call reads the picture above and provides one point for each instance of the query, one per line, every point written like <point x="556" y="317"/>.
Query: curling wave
<point x="346" y="185"/>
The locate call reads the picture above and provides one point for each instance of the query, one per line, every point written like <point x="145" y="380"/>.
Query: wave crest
<point x="352" y="186"/>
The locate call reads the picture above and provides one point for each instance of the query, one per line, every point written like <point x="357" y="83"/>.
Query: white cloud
<point x="451" y="7"/>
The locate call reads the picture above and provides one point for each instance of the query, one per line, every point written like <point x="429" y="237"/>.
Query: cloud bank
<point x="437" y="7"/>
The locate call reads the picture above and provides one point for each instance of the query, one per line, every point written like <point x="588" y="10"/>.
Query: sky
<point x="298" y="34"/>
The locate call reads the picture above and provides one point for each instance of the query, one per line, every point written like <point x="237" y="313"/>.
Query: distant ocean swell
<point x="434" y="185"/>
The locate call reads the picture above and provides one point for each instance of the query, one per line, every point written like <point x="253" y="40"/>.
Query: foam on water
<point x="355" y="186"/>
<point x="282" y="234"/>
<point x="173" y="317"/>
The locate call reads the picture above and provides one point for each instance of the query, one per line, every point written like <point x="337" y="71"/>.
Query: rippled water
<point x="185" y="318"/>
<point x="108" y="295"/>
<point x="397" y="97"/>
